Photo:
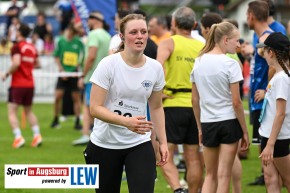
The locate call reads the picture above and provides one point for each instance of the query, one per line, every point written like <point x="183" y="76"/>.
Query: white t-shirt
<point x="213" y="74"/>
<point x="195" y="34"/>
<point x="128" y="92"/>
<point x="278" y="88"/>
<point x="115" y="43"/>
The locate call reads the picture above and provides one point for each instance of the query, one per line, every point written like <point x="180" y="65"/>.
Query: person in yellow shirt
<point x="177" y="55"/>
<point x="5" y="46"/>
<point x="158" y="29"/>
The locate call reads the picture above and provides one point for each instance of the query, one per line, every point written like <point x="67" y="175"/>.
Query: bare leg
<point x="227" y="156"/>
<point x="77" y="102"/>
<point x="236" y="176"/>
<point x="271" y="176"/>
<point x="194" y="168"/>
<point x="12" y="115"/>
<point x="57" y="103"/>
<point x="170" y="171"/>
<point x="211" y="157"/>
<point x="30" y="116"/>
<point x="283" y="166"/>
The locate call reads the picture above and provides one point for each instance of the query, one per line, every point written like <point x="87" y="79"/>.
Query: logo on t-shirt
<point x="146" y="84"/>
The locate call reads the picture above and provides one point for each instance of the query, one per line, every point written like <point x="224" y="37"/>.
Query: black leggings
<point x="139" y="162"/>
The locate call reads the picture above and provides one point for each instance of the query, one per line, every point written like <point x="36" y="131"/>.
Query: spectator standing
<point x="5" y="46"/>
<point x="69" y="56"/>
<point x="41" y="27"/>
<point x="177" y="55"/>
<point x="12" y="30"/>
<point x="96" y="49"/>
<point x="48" y="44"/>
<point x="121" y="134"/>
<point x="37" y="42"/>
<point x="217" y="105"/>
<point x="22" y="87"/>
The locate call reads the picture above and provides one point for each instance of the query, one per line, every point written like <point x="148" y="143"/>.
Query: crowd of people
<point x="160" y="90"/>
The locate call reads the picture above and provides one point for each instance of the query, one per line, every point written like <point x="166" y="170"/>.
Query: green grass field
<point x="57" y="149"/>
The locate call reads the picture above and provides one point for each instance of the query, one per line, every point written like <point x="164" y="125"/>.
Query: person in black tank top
<point x="42" y="28"/>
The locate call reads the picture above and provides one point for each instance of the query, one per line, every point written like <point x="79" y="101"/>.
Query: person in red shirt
<point x="24" y="60"/>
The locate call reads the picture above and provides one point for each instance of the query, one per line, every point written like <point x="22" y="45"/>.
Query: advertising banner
<point x="51" y="176"/>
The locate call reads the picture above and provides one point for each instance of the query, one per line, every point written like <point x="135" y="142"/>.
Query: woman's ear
<point x="226" y="39"/>
<point x="271" y="53"/>
<point x="122" y="37"/>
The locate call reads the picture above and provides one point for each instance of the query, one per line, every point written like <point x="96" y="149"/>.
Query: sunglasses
<point x="95" y="17"/>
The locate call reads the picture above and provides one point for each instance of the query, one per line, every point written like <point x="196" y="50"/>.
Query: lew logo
<point x="83" y="176"/>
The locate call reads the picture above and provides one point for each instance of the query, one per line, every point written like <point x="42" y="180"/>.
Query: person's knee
<point x="76" y="96"/>
<point x="271" y="179"/>
<point x="224" y="174"/>
<point x="212" y="176"/>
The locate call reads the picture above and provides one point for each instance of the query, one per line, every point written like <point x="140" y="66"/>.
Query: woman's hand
<point x="164" y="154"/>
<point x="165" y="96"/>
<point x="139" y="124"/>
<point x="267" y="155"/>
<point x="81" y="83"/>
<point x="245" y="143"/>
<point x="259" y="95"/>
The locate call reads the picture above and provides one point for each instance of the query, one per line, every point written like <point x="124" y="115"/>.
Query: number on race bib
<point x="125" y="114"/>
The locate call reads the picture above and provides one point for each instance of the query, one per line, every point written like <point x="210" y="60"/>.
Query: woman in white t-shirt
<point x="275" y="114"/>
<point x="123" y="83"/>
<point x="218" y="107"/>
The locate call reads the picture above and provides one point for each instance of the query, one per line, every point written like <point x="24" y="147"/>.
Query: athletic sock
<point x="17" y="132"/>
<point x="36" y="130"/>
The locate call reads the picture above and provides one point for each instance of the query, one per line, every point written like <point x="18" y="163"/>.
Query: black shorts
<point x="21" y="96"/>
<point x="180" y="125"/>
<point x="256" y="139"/>
<point x="281" y="147"/>
<point x="71" y="83"/>
<point x="223" y="132"/>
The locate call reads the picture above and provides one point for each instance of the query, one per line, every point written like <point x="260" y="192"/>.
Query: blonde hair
<point x="215" y="35"/>
<point x="123" y="23"/>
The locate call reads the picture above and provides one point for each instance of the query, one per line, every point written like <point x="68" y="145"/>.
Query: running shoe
<point x="83" y="140"/>
<point x="18" y="142"/>
<point x="37" y="141"/>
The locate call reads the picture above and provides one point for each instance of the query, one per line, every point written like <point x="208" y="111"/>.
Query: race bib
<point x="128" y="108"/>
<point x="70" y="59"/>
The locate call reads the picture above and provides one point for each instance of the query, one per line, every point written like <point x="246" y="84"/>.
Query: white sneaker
<point x="183" y="183"/>
<point x="83" y="140"/>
